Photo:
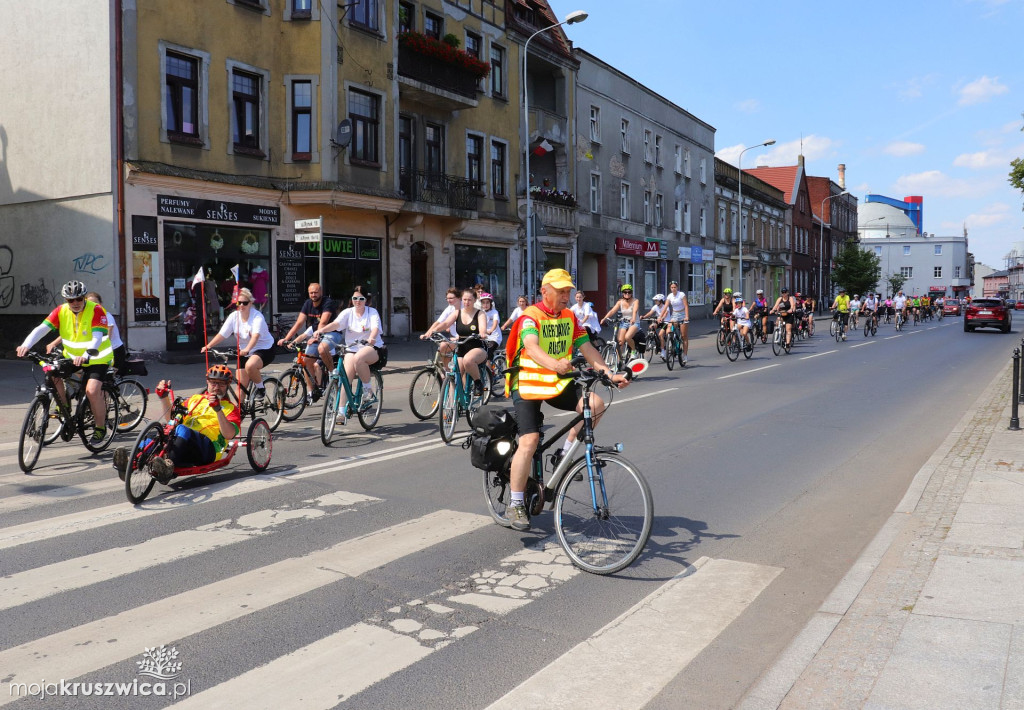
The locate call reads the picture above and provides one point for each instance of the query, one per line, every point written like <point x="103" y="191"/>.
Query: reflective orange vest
<point x="555" y="333"/>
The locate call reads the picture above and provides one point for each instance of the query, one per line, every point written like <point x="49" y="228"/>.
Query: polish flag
<point x="199" y="278"/>
<point x="543" y="149"/>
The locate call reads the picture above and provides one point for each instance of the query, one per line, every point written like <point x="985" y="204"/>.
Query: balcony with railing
<point x="436" y="82"/>
<point x="450" y="191"/>
<point x="560" y="218"/>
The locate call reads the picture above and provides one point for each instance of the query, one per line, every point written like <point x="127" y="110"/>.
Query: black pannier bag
<point x="493" y="440"/>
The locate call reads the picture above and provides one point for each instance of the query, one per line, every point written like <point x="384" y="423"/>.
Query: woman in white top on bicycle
<point x="361" y="327"/>
<point x="627" y="307"/>
<point x="255" y="343"/>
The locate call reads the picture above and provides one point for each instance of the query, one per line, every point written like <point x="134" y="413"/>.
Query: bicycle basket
<point x="382" y="358"/>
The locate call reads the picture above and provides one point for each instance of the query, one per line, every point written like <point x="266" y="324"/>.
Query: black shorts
<point x="490" y="346"/>
<point x="94" y="372"/>
<point x="472" y="344"/>
<point x="267" y="356"/>
<point x="787" y="318"/>
<point x="528" y="414"/>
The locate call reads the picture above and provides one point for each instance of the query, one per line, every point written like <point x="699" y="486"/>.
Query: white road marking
<point x="604" y="667"/>
<point x="747" y="372"/>
<point x="77" y="651"/>
<point x="890" y="337"/>
<point x="860" y="345"/>
<point x="41" y="582"/>
<point x="827" y="352"/>
<point x="622" y="401"/>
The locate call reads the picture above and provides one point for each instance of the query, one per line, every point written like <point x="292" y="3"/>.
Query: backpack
<point x="493" y="439"/>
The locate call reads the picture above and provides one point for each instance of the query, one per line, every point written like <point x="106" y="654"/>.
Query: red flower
<point x="436" y="49"/>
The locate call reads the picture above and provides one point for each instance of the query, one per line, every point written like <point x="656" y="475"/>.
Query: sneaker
<point x="99" y="434"/>
<point x="517" y="517"/>
<point x="341" y="419"/>
<point x="664" y="355"/>
<point x="121" y="461"/>
<point x="478" y="388"/>
<point x="684" y="359"/>
<point x="317" y="394"/>
<point x="163" y="469"/>
<point x="309" y="400"/>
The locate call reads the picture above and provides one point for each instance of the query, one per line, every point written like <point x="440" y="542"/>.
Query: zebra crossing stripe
<point x="91" y="646"/>
<point x="41" y="582"/>
<point x="661" y="635"/>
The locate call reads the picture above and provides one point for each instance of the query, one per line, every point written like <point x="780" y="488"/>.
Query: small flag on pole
<point x="543" y="148"/>
<point x="200" y="277"/>
<point x="234" y="272"/>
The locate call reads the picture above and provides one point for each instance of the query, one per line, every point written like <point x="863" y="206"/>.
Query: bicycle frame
<point x="352" y="398"/>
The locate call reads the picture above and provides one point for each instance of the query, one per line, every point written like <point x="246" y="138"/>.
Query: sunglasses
<point x="358" y="299"/>
<point x="76" y="300"/>
<point x="244" y="303"/>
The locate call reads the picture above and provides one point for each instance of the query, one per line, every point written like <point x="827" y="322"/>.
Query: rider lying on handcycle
<point x="212" y="421"/>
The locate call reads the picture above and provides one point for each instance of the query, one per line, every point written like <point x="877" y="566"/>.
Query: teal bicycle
<point x="367" y="408"/>
<point x="458" y="393"/>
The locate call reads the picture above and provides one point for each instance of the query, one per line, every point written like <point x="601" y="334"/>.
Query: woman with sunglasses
<point x="255" y="343"/>
<point x="469" y="321"/>
<point x="627" y="307"/>
<point x="361" y="327"/>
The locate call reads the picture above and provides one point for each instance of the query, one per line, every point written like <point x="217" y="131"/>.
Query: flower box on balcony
<point x="442" y="52"/>
<point x="555" y="197"/>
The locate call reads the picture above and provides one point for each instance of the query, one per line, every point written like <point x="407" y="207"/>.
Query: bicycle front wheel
<point x="777" y="335"/>
<point x="425" y="393"/>
<point x="87" y="424"/>
<point x="604" y="518"/>
<point x="611" y="355"/>
<point x="32" y="432"/>
<point x="721" y="341"/>
<point x="748" y="346"/>
<point x="137" y="479"/>
<point x="293" y="385"/>
<point x="670" y="352"/>
<point x="329" y="415"/>
<point x="131" y="404"/>
<point x="449" y="414"/>
<point x="732" y="346"/>
<point x="369" y="411"/>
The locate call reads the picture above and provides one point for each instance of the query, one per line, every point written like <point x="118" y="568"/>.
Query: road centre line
<point x="827" y="352"/>
<point x="75" y="651"/>
<point x="747" y="372"/>
<point x="623" y="401"/>
<point x="860" y="345"/>
<point x="890" y="337"/>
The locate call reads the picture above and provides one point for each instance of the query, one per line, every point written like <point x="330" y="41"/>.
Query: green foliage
<point x="856" y="270"/>
<point x="896" y="282"/>
<point x="451" y="40"/>
<point x="1017" y="173"/>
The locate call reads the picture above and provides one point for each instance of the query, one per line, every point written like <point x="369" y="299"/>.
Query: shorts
<point x="624" y="324"/>
<point x="787" y="318"/>
<point x="94" y="372"/>
<point x="469" y="345"/>
<point x="313" y="350"/>
<point x="267" y="356"/>
<point x="528" y="415"/>
<point x="677" y="317"/>
<point x="333" y="340"/>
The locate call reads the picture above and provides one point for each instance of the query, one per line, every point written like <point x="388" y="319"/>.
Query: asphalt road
<point x="368" y="574"/>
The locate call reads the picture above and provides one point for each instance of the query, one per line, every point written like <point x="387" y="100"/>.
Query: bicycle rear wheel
<point x="497" y="493"/>
<point x="425" y="393"/>
<point x="603" y="527"/>
<point x="498" y="375"/>
<point x="87" y="425"/>
<point x="32" y="432"/>
<point x="449" y="412"/>
<point x="137" y="479"/>
<point x="131" y="405"/>
<point x="293" y="385"/>
<point x="670" y="352"/>
<point x="273" y="402"/>
<point x="369" y="412"/>
<point x="329" y="415"/>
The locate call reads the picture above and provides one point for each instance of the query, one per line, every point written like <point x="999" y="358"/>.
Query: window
<point x="938" y="250"/>
<point x="181" y="84"/>
<point x="407" y="17"/>
<point x="686" y="163"/>
<point x="245" y="95"/>
<point x="938" y="272"/>
<point x="498" y="185"/>
<point x="474" y="158"/>
<point x="647" y="146"/>
<point x="956" y="272"/>
<point x="364" y="14"/>
<point x="302" y="120"/>
<point x="624" y="128"/>
<point x="595" y="193"/>
<point x="696" y="291"/>
<point x="657" y="150"/>
<point x="657" y="209"/>
<point x="679" y="159"/>
<point x="624" y="200"/>
<point x="647" y="206"/>
<point x="595" y="124"/>
<point x="686" y="217"/>
<point x="433" y="148"/>
<point x="432" y="25"/>
<point x="364" y="111"/>
<point x="473" y="44"/>
<point x="703" y="171"/>
<point x="626" y="272"/>
<point x="907" y="272"/>
<point x="878" y="251"/>
<point x="677" y="216"/>
<point x="703" y="222"/>
<point x="301" y="8"/>
<point x="906" y="250"/>
<point x="721" y="223"/>
<point x="497" y="71"/>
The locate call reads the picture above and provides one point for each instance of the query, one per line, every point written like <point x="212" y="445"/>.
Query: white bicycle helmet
<point x="659" y="297"/>
<point x="72" y="289"/>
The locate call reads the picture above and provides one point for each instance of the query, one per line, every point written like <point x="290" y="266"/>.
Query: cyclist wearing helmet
<point x="725" y="306"/>
<point x="82" y="326"/>
<point x="657" y="314"/>
<point x="785" y="306"/>
<point x="841" y="307"/>
<point x="678" y="316"/>
<point x="627" y="307"/>
<point x="212" y="421"/>
<point x="759" y="310"/>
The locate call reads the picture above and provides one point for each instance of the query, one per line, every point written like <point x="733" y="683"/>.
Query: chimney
<point x="842" y="176"/>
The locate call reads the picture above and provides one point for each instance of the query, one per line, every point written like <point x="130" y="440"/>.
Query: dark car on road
<point x="987" y="313"/>
<point x="951" y="307"/>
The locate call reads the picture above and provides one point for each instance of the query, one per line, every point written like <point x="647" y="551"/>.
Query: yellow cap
<point x="559" y="278"/>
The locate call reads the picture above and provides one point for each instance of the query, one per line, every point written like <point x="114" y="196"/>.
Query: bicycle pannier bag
<point x="135" y="367"/>
<point x="492" y="442"/>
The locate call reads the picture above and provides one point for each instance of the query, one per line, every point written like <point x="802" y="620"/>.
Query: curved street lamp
<point x="570" y="19"/>
<point x="739" y="166"/>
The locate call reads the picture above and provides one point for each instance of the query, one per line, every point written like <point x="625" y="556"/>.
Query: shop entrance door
<point x="420" y="286"/>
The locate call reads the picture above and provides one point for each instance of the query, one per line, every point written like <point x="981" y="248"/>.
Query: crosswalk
<point x="319" y="606"/>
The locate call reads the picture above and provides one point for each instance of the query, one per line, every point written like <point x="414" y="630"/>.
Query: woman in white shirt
<point x="255" y="343"/>
<point x="585" y="316"/>
<point x="493" y="320"/>
<point x="361" y="327"/>
<point x="516" y="312"/>
<point x="678" y="314"/>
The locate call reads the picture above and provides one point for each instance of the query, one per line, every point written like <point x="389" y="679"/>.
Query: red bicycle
<point x="155" y="440"/>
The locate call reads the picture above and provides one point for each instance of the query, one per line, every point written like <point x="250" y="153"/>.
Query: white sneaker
<point x="664" y="356"/>
<point x="684" y="359"/>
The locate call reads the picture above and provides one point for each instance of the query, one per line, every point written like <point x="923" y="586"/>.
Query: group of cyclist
<point x="669" y="313"/>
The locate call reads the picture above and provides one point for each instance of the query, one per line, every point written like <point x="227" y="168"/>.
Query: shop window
<point x="486" y="265"/>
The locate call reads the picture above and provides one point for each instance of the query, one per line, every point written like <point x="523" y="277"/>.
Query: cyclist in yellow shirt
<point x="841" y="307"/>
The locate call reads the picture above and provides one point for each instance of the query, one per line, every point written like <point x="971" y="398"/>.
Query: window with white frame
<point x="595" y="192"/>
<point x="703" y="222"/>
<point x="647" y="146"/>
<point x="595" y="124"/>
<point x="938" y="272"/>
<point x="657" y="150"/>
<point x="686" y="217"/>
<point x="906" y="250"/>
<point x="679" y="159"/>
<point x="878" y="251"/>
<point x="647" y="206"/>
<point x="956" y="272"/>
<point x="703" y="171"/>
<point x="907" y="272"/>
<point x="696" y="283"/>
<point x="938" y="250"/>
<point x="624" y="200"/>
<point x="626" y="272"/>
<point x="624" y="130"/>
<point x="677" y="216"/>
<point x="658" y="201"/>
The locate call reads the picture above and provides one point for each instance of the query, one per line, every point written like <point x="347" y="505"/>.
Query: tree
<point x="896" y="282"/>
<point x="856" y="270"/>
<point x="1017" y="172"/>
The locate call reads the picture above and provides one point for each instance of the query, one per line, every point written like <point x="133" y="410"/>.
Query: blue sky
<point x="916" y="98"/>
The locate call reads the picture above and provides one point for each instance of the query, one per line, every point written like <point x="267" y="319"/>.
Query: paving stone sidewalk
<point x="932" y="614"/>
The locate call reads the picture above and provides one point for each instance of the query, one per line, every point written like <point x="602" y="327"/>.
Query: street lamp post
<point x="821" y="243"/>
<point x="739" y="166"/>
<point x="570" y="19"/>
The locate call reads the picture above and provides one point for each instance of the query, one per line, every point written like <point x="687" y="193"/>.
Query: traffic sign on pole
<point x="307" y="223"/>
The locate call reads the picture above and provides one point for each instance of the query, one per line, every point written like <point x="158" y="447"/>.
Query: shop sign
<point x="291" y="276"/>
<point x="144" y="233"/>
<point x="684" y="253"/>
<point x="696" y="254"/>
<point x="709" y="256"/>
<point x="637" y="247"/>
<point x="722" y="249"/>
<point x="145" y="267"/>
<point x="940" y="289"/>
<point x="194" y="208"/>
<point x="369" y="249"/>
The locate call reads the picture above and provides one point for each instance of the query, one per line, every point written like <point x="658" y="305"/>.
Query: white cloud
<point x="981" y="90"/>
<point x="902" y="149"/>
<point x="985" y="159"/>
<point x="813" y="148"/>
<point x="934" y="184"/>
<point x="1014" y="126"/>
